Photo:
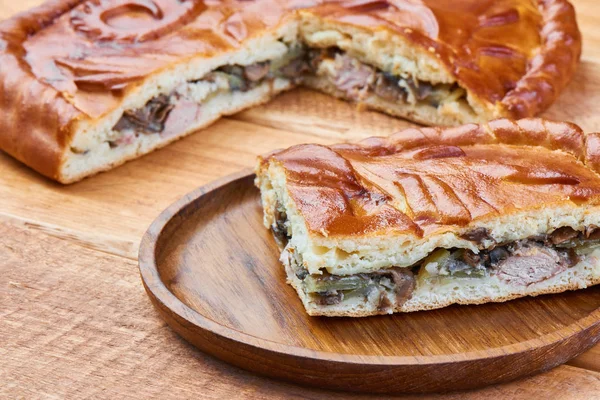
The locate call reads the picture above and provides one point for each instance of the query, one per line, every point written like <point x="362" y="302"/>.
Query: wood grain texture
<point x="71" y="340"/>
<point x="213" y="273"/>
<point x="75" y="323"/>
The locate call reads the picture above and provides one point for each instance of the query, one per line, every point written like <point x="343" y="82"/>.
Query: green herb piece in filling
<point x="323" y="284"/>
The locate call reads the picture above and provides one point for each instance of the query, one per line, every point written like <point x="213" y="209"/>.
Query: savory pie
<point x="429" y="217"/>
<point x="88" y="85"/>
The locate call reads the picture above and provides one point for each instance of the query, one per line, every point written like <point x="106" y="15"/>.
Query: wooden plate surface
<point x="212" y="271"/>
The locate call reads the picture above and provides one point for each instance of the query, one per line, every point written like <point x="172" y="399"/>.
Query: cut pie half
<point x="429" y="217"/>
<point x="88" y="85"/>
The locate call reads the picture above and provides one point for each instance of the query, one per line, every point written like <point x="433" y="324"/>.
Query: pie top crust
<point x="70" y="60"/>
<point x="422" y="181"/>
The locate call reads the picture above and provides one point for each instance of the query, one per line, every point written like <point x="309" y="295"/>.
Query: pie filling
<point x="519" y="264"/>
<point x="170" y="114"/>
<point x="358" y="81"/>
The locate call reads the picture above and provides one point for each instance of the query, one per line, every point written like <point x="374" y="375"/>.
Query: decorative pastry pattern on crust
<point x="422" y="179"/>
<point x="107" y="46"/>
<point x="132" y="20"/>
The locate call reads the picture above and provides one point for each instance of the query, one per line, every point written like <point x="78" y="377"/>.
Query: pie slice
<point x="88" y="85"/>
<point x="430" y="217"/>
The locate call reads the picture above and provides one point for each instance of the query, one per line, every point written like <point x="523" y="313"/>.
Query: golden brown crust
<point x="61" y="64"/>
<point x="592" y="150"/>
<point x="552" y="67"/>
<point x="36" y="119"/>
<point x="424" y="179"/>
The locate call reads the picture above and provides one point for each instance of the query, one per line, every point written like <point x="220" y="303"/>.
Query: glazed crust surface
<point x="422" y="181"/>
<point x="69" y="60"/>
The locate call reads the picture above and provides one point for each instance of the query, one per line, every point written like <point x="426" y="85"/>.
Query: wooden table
<point x="74" y="319"/>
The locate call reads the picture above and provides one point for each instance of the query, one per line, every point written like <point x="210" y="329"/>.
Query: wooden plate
<point x="212" y="271"/>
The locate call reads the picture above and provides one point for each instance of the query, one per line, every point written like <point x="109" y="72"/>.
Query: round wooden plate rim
<point x="158" y="290"/>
